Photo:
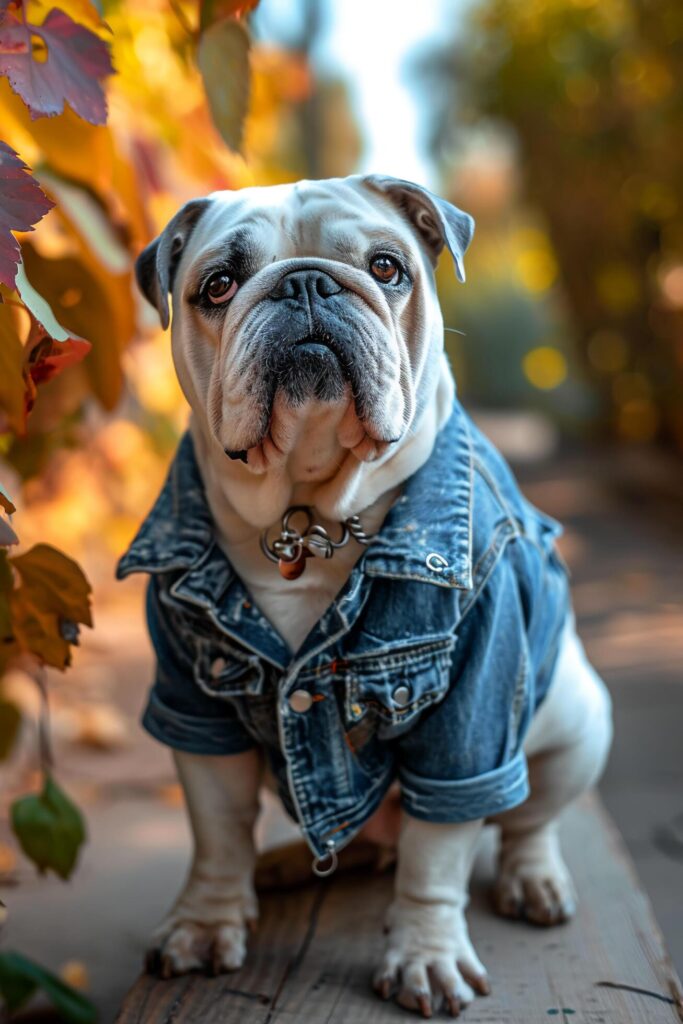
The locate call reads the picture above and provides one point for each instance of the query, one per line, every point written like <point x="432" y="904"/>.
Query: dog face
<point x="313" y="296"/>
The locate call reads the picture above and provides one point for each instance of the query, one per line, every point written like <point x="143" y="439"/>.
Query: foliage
<point x="590" y="90"/>
<point x="49" y="828"/>
<point x="106" y="126"/>
<point x="20" y="978"/>
<point x="22" y="204"/>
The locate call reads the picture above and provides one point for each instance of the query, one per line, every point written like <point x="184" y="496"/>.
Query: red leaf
<point x="22" y="204"/>
<point x="47" y="358"/>
<point x="76" y="62"/>
<point x="56" y="356"/>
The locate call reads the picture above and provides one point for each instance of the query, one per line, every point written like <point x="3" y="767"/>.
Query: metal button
<point x="401" y="696"/>
<point x="300" y="700"/>
<point x="436" y="562"/>
<point x="217" y="666"/>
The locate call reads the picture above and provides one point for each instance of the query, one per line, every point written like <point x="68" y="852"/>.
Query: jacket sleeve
<point x="178" y="712"/>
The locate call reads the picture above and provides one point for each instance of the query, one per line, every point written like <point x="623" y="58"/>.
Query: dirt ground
<point x="624" y="543"/>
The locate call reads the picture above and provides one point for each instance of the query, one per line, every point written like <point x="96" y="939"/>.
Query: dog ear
<point x="155" y="266"/>
<point x="438" y="223"/>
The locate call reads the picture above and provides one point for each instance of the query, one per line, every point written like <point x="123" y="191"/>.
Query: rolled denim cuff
<point x="440" y="800"/>
<point x="193" y="734"/>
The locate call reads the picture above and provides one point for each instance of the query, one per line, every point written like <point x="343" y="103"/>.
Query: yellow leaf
<point x="54" y="583"/>
<point x="36" y="630"/>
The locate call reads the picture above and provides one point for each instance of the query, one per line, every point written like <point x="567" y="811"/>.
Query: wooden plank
<point x="312" y="959"/>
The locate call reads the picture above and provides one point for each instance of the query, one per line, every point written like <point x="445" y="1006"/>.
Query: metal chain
<point x="314" y="539"/>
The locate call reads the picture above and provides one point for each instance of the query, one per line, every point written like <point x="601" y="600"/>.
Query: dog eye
<point x="220" y="288"/>
<point x="385" y="269"/>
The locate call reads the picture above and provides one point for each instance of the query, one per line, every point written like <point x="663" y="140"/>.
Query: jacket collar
<point x="426" y="535"/>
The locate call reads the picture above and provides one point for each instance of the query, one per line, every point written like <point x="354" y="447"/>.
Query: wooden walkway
<point x="312" y="958"/>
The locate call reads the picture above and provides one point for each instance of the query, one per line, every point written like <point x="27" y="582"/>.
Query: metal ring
<point x="436" y="562"/>
<point x="325" y="871"/>
<point x="344" y="537"/>
<point x="306" y="509"/>
<point x="320" y="531"/>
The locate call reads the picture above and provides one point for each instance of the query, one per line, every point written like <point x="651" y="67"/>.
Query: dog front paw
<point x="429" y="961"/>
<point x="189" y="946"/>
<point x="202" y="933"/>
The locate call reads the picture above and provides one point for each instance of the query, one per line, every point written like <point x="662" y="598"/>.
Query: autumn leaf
<point x="85" y="12"/>
<point x="49" y="350"/>
<point x="223" y="59"/>
<point x="56" y="581"/>
<point x="52" y="598"/>
<point x="48" y="357"/>
<point x="85" y="309"/>
<point x="70" y="71"/>
<point x="20" y="978"/>
<point x="22" y="204"/>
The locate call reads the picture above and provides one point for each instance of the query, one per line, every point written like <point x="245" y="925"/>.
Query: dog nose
<point x="305" y="285"/>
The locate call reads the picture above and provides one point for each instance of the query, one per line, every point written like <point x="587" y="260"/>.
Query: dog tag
<point x="292" y="570"/>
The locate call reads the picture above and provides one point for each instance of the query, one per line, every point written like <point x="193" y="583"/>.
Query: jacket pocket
<point x="221" y="670"/>
<point x="395" y="686"/>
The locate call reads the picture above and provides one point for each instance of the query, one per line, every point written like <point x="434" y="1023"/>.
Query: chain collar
<point x="291" y="549"/>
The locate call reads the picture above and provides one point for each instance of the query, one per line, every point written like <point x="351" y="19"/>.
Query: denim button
<point x="401" y="696"/>
<point x="300" y="700"/>
<point x="217" y="666"/>
<point x="436" y="562"/>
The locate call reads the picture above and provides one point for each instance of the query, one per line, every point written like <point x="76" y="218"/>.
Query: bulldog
<point x="346" y="585"/>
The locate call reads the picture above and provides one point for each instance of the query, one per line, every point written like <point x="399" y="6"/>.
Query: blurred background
<point x="558" y="125"/>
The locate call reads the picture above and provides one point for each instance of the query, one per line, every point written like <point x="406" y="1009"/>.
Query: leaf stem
<point x="44" y="740"/>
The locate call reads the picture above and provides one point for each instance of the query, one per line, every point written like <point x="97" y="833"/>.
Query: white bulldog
<point x="308" y="340"/>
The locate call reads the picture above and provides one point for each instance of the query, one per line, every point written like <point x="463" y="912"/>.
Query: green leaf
<point x="10" y="720"/>
<point x="39" y="306"/>
<point x="49" y="828"/>
<point x="223" y="59"/>
<point x="20" y="977"/>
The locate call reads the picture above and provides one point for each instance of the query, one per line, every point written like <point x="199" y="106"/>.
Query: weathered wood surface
<point x="312" y="958"/>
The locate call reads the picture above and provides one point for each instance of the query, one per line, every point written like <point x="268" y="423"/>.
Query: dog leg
<point x="429" y="959"/>
<point x="567" y="747"/>
<point x="207" y="925"/>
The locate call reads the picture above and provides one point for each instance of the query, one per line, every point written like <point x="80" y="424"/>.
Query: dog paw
<point x="429" y="961"/>
<point x="189" y="946"/>
<point x="534" y="884"/>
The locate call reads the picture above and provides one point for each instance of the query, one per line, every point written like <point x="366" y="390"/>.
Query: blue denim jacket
<point x="427" y="667"/>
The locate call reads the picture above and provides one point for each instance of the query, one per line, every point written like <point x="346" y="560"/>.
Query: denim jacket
<point x="427" y="667"/>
